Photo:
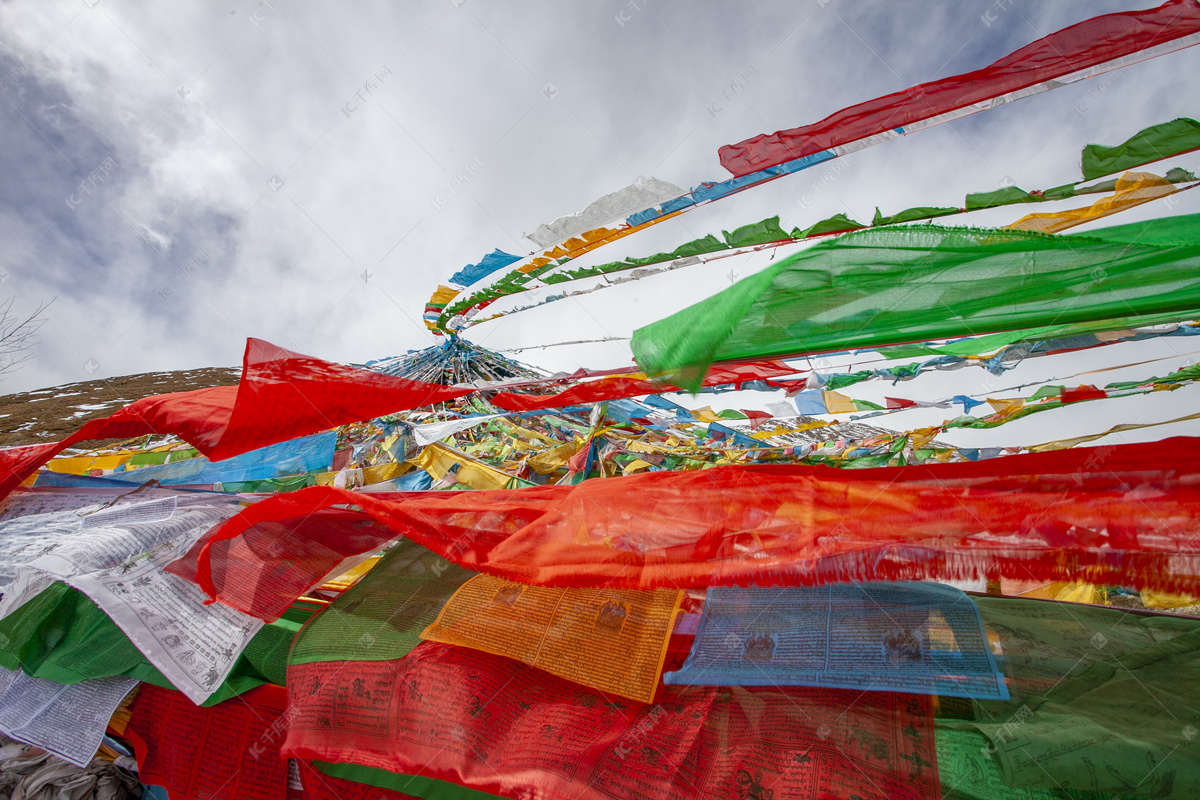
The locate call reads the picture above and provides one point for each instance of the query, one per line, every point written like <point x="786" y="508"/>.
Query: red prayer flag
<point x="1058" y="515"/>
<point x="229" y="751"/>
<point x="503" y="727"/>
<point x="1081" y="393"/>
<point x="1098" y="41"/>
<point x="757" y="418"/>
<point x="617" y="386"/>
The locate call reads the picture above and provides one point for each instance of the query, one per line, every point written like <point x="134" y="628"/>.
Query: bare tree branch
<point x="18" y="336"/>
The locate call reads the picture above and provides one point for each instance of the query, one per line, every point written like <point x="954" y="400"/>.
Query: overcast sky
<point x="280" y="169"/>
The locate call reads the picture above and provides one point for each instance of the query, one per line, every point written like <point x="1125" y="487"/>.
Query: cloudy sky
<point x="177" y="177"/>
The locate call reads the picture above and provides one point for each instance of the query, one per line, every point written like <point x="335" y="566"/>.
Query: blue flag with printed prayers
<point x="810" y="403"/>
<point x="922" y="638"/>
<point x="497" y="259"/>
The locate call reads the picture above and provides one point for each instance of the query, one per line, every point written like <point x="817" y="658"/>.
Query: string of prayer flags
<point x="1088" y="48"/>
<point x="890" y="285"/>
<point x="1060" y="514"/>
<point x="1151" y="144"/>
<point x="1132" y="189"/>
<point x="1126" y="196"/>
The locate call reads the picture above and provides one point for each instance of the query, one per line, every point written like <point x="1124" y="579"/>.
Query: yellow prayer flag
<point x="614" y="640"/>
<point x="383" y="472"/>
<point x="555" y="458"/>
<point x="350" y="577"/>
<point x="1006" y="406"/>
<point x="1132" y="189"/>
<point x="637" y="465"/>
<point x="838" y="403"/>
<point x="923" y="436"/>
<point x="444" y="294"/>
<point x="81" y="465"/>
<point x="437" y="459"/>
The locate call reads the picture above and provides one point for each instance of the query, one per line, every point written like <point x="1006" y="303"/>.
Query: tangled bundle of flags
<point x="449" y="575"/>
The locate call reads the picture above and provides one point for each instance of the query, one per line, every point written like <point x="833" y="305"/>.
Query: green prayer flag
<point x="838" y="223"/>
<point x="415" y="785"/>
<point x="696" y="247"/>
<point x="1179" y="175"/>
<point x="1156" y="142"/>
<point x="381" y="617"/>
<point x="913" y="215"/>
<point x="1003" y="196"/>
<point x="886" y="286"/>
<point x="988" y="343"/>
<point x="1182" y="374"/>
<point x="967" y="771"/>
<point x="842" y="380"/>
<point x="1102" y="700"/>
<point x="1178" y="231"/>
<point x="1046" y="391"/>
<point x="1060" y="192"/>
<point x="767" y="230"/>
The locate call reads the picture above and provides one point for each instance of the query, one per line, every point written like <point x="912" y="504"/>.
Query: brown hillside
<point x="45" y="415"/>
